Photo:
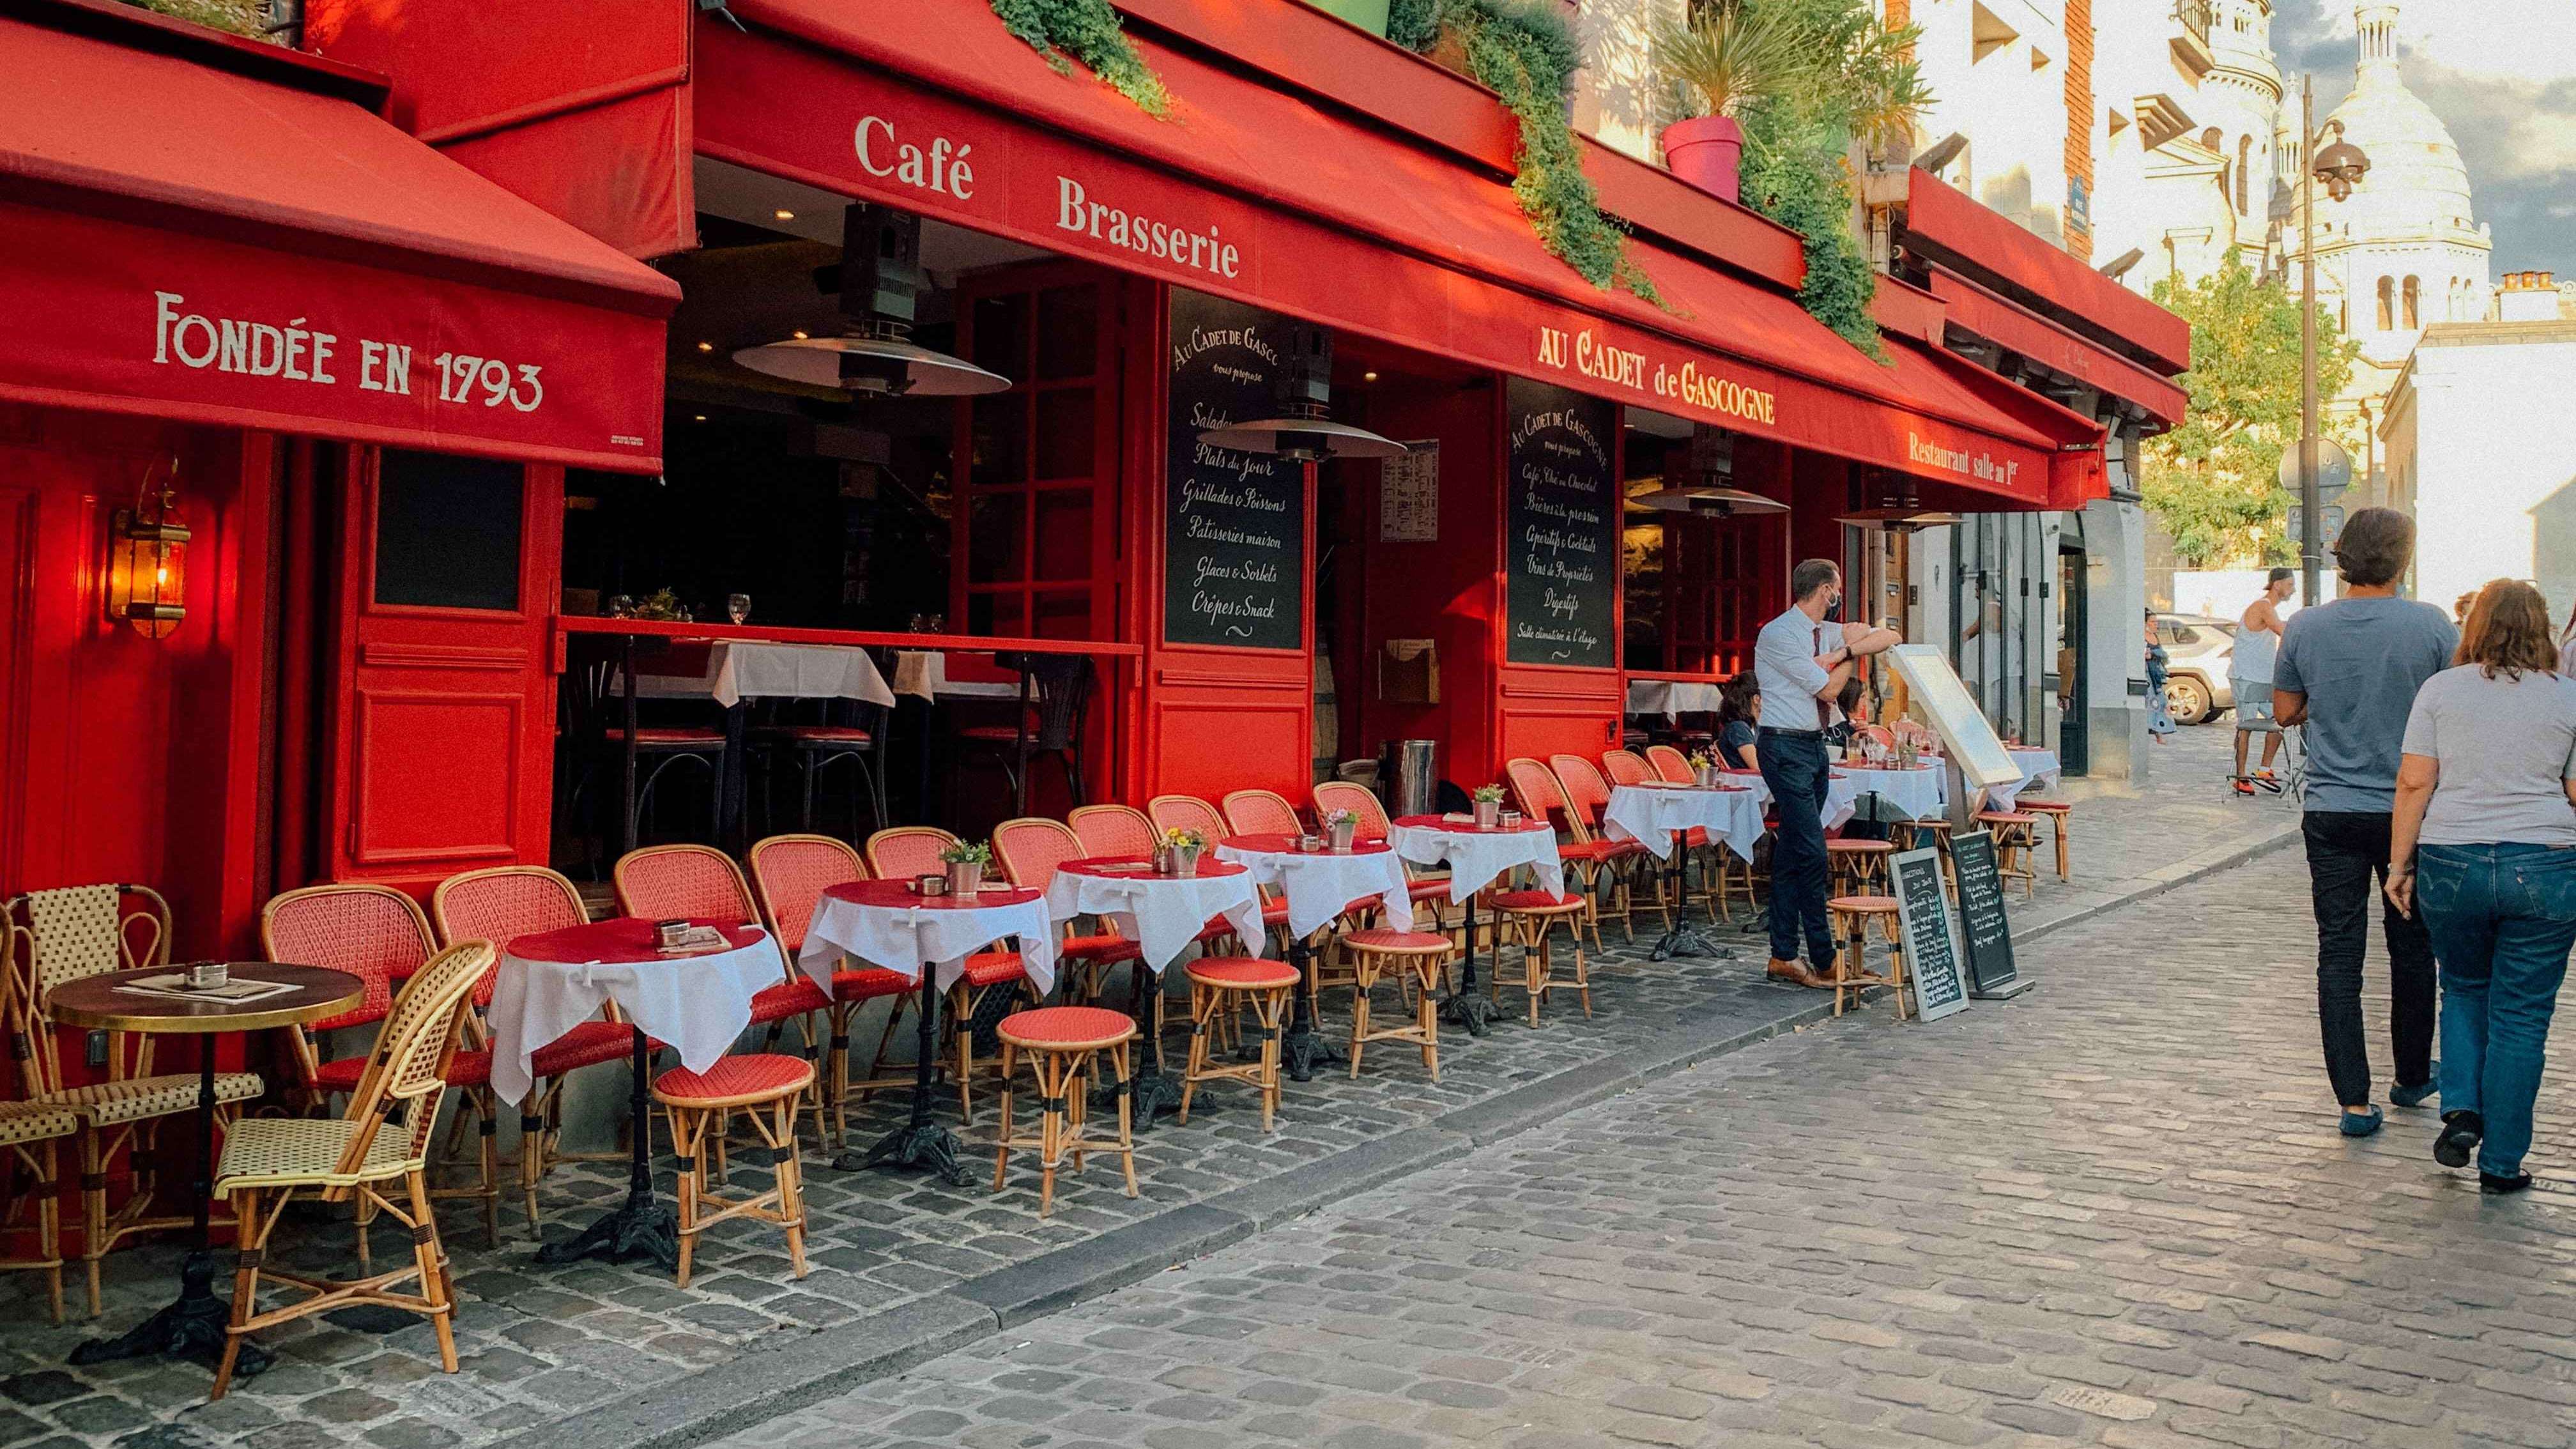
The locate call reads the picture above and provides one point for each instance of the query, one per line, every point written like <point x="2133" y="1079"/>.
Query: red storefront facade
<point x="405" y="730"/>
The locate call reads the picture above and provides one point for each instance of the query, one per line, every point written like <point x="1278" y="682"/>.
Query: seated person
<point x="1739" y="705"/>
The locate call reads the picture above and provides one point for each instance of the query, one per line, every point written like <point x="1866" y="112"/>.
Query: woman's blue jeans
<point x="2502" y="919"/>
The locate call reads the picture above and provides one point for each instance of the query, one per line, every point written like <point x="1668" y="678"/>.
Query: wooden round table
<point x="193" y="1326"/>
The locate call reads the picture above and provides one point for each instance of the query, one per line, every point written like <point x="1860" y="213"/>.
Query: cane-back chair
<point x="790" y="873"/>
<point x="1587" y="798"/>
<point x="1541" y="796"/>
<point x="990" y="978"/>
<point x="1370" y="812"/>
<point x="1030" y="849"/>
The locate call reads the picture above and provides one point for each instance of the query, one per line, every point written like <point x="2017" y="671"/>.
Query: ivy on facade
<point x="1087" y="31"/>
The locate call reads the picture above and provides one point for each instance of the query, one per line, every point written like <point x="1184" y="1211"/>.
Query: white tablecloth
<point x="1162" y="914"/>
<point x="904" y="938"/>
<point x="1319" y="886"/>
<point x="2039" y="771"/>
<point x="740" y="668"/>
<point x="1919" y="793"/>
<point x="1649" y="814"/>
<point x="923" y="674"/>
<point x="697" y="1004"/>
<point x="1668" y="697"/>
<point x="1477" y="858"/>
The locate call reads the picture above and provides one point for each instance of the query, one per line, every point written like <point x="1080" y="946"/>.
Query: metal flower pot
<point x="1185" y="859"/>
<point x="1489" y="814"/>
<point x="1342" y="833"/>
<point x="965" y="877"/>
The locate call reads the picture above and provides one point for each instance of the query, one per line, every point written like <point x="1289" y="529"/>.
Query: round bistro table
<point x="193" y="1326"/>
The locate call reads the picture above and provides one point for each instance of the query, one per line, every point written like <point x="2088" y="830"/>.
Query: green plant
<point x="234" y="17"/>
<point x="1179" y="838"/>
<point x="1522" y="50"/>
<point x="1724" y="56"/>
<point x="1488" y="794"/>
<point x="967" y="853"/>
<point x="1088" y="31"/>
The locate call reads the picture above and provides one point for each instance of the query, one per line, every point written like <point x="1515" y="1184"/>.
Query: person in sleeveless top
<point x="2249" y="677"/>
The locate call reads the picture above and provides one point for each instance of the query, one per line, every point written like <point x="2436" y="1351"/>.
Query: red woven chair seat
<point x="2027" y="806"/>
<point x="1249" y="972"/>
<point x="1274" y="913"/>
<point x="817" y="734"/>
<point x="756" y="1076"/>
<point x="786" y="999"/>
<point x="671" y="735"/>
<point x="995" y="734"/>
<point x="1382" y="938"/>
<point x="992" y="968"/>
<point x="1067" y="1027"/>
<point x="586" y="1045"/>
<point x="868" y="984"/>
<point x="1868" y="905"/>
<point x="1532" y="902"/>
<point x="1428" y="890"/>
<point x="1594" y="850"/>
<point x="1104" y="949"/>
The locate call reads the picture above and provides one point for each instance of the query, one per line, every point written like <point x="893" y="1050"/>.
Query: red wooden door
<point x="443" y="707"/>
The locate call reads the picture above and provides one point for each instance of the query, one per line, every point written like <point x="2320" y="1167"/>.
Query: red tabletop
<point x="1129" y="867"/>
<point x="1287" y="845"/>
<point x="899" y="895"/>
<point x="624" y="939"/>
<point x="1469" y="827"/>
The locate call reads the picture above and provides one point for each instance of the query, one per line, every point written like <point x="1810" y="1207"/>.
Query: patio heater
<point x="1302" y="431"/>
<point x="1711" y="491"/>
<point x="1900" y="508"/>
<point x="880" y="284"/>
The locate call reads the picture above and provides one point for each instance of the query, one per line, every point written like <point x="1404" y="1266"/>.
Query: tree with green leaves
<point x="2213" y="481"/>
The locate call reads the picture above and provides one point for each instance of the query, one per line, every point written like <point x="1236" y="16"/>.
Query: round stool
<point x="765" y="1087"/>
<point x="1417" y="955"/>
<point x="1533" y="916"/>
<point x="1854" y="916"/>
<point x="2016" y="836"/>
<point x="1857" y="864"/>
<point x="1060" y="1043"/>
<point x="1218" y="986"/>
<point x="2056" y="813"/>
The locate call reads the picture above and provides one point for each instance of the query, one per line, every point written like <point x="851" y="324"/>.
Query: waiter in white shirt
<point x="1801" y="661"/>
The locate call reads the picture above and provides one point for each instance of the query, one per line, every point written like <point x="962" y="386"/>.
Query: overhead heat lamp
<point x="873" y="356"/>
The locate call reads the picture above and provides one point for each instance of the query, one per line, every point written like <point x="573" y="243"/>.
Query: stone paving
<point x="2114" y="1211"/>
<point x="539" y="1344"/>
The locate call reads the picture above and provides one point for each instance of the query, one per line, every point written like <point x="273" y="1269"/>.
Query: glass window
<point x="447" y="531"/>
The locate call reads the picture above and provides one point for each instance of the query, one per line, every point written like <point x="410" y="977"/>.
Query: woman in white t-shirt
<point x="2484" y="843"/>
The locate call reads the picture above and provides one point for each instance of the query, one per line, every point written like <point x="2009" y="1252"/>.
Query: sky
<point x="2502" y="75"/>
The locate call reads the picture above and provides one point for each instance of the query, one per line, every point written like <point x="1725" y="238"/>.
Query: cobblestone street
<point x="2115" y="1211"/>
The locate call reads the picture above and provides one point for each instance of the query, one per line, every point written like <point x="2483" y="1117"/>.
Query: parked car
<point x="2198" y="647"/>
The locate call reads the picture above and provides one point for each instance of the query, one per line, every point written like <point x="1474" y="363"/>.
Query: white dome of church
<point x="2417" y="182"/>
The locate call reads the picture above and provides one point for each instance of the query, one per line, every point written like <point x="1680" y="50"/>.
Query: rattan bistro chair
<point x="908" y="851"/>
<point x="28" y="1132"/>
<point x="382" y="1140"/>
<point x="790" y="873"/>
<point x="56" y="936"/>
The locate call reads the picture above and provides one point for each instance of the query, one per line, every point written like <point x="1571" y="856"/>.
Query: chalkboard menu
<point x="1987" y="934"/>
<point x="1561" y="521"/>
<point x="1931" y="934"/>
<point x="1234" y="554"/>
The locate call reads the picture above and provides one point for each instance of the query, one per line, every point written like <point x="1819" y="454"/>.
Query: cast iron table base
<point x="1463" y="1007"/>
<point x="1684" y="939"/>
<point x="920" y="1143"/>
<point x="643" y="1226"/>
<point x="1305" y="1049"/>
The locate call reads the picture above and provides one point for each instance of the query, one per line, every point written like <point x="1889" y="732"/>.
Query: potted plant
<point x="966" y="864"/>
<point x="1703" y="769"/>
<point x="1489" y="806"/>
<point x="1341" y="827"/>
<point x="1722" y="55"/>
<point x="1179" y="852"/>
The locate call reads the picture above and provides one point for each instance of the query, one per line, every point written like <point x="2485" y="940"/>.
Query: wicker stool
<point x="1931" y="832"/>
<point x="767" y="1088"/>
<point x="1857" y="865"/>
<point x="1060" y="1043"/>
<point x="1853" y="917"/>
<point x="2016" y="836"/>
<point x="1417" y="955"/>
<point x="1219" y="985"/>
<point x="1532" y="916"/>
<point x="2056" y="812"/>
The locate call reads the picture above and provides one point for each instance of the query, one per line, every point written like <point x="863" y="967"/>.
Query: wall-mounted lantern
<point x="146" y="560"/>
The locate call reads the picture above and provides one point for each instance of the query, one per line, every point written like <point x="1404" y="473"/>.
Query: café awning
<point x="211" y="230"/>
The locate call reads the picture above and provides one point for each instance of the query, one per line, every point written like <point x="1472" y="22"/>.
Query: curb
<point x="768" y="1380"/>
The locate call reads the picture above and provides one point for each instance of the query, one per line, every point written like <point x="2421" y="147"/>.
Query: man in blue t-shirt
<point x="2347" y="675"/>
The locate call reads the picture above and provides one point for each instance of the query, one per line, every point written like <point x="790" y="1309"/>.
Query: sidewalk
<point x="905" y="1267"/>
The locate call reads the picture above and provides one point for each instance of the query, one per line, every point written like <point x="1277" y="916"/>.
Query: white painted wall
<point x="2493" y="464"/>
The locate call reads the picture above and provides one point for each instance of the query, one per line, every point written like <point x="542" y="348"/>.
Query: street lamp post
<point x="2338" y="165"/>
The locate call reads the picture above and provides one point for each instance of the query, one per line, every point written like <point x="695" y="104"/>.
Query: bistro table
<point x="1320" y="885"/>
<point x="1477" y="856"/>
<point x="890" y="924"/>
<point x="734" y="670"/>
<point x="1673" y="697"/>
<point x="2039" y="770"/>
<point x="1660" y="817"/>
<point x="193" y="1326"/>
<point x="1915" y="791"/>
<point x="697" y="1000"/>
<point x="1164" y="915"/>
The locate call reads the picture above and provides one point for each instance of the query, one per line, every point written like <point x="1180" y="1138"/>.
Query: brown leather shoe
<point x="1793" y="971"/>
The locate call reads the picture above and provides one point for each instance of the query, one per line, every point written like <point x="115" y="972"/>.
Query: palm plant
<point x="1728" y="54"/>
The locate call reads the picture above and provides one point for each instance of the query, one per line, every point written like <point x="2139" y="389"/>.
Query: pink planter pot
<point x="1705" y="151"/>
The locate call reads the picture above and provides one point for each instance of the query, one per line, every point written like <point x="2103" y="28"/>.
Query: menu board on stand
<point x="1931" y="934"/>
<point x="1561" y="528"/>
<point x="1234" y="541"/>
<point x="1983" y="926"/>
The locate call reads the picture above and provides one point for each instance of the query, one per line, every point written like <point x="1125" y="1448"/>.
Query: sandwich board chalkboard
<point x="1983" y="929"/>
<point x="1931" y="934"/>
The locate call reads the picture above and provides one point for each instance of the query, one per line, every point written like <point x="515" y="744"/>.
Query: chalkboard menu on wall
<point x="1561" y="521"/>
<point x="1234" y="555"/>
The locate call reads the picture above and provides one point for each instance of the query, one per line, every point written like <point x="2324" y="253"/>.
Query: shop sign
<point x="1561" y="546"/>
<point x="1982" y="467"/>
<point x="1692" y="382"/>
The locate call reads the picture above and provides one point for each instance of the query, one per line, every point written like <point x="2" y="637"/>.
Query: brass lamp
<point x="146" y="561"/>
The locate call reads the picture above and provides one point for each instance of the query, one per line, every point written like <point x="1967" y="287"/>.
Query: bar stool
<point x="1533" y="916"/>
<point x="2056" y="813"/>
<point x="1857" y="865"/>
<point x="2016" y="836"/>
<point x="1420" y="957"/>
<point x="766" y="1088"/>
<point x="1853" y="917"/>
<point x="1220" y="986"/>
<point x="1061" y="1043"/>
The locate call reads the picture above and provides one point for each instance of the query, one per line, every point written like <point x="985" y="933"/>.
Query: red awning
<point x="1943" y="225"/>
<point x="203" y="234"/>
<point x="1975" y="310"/>
<point x="1252" y="193"/>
